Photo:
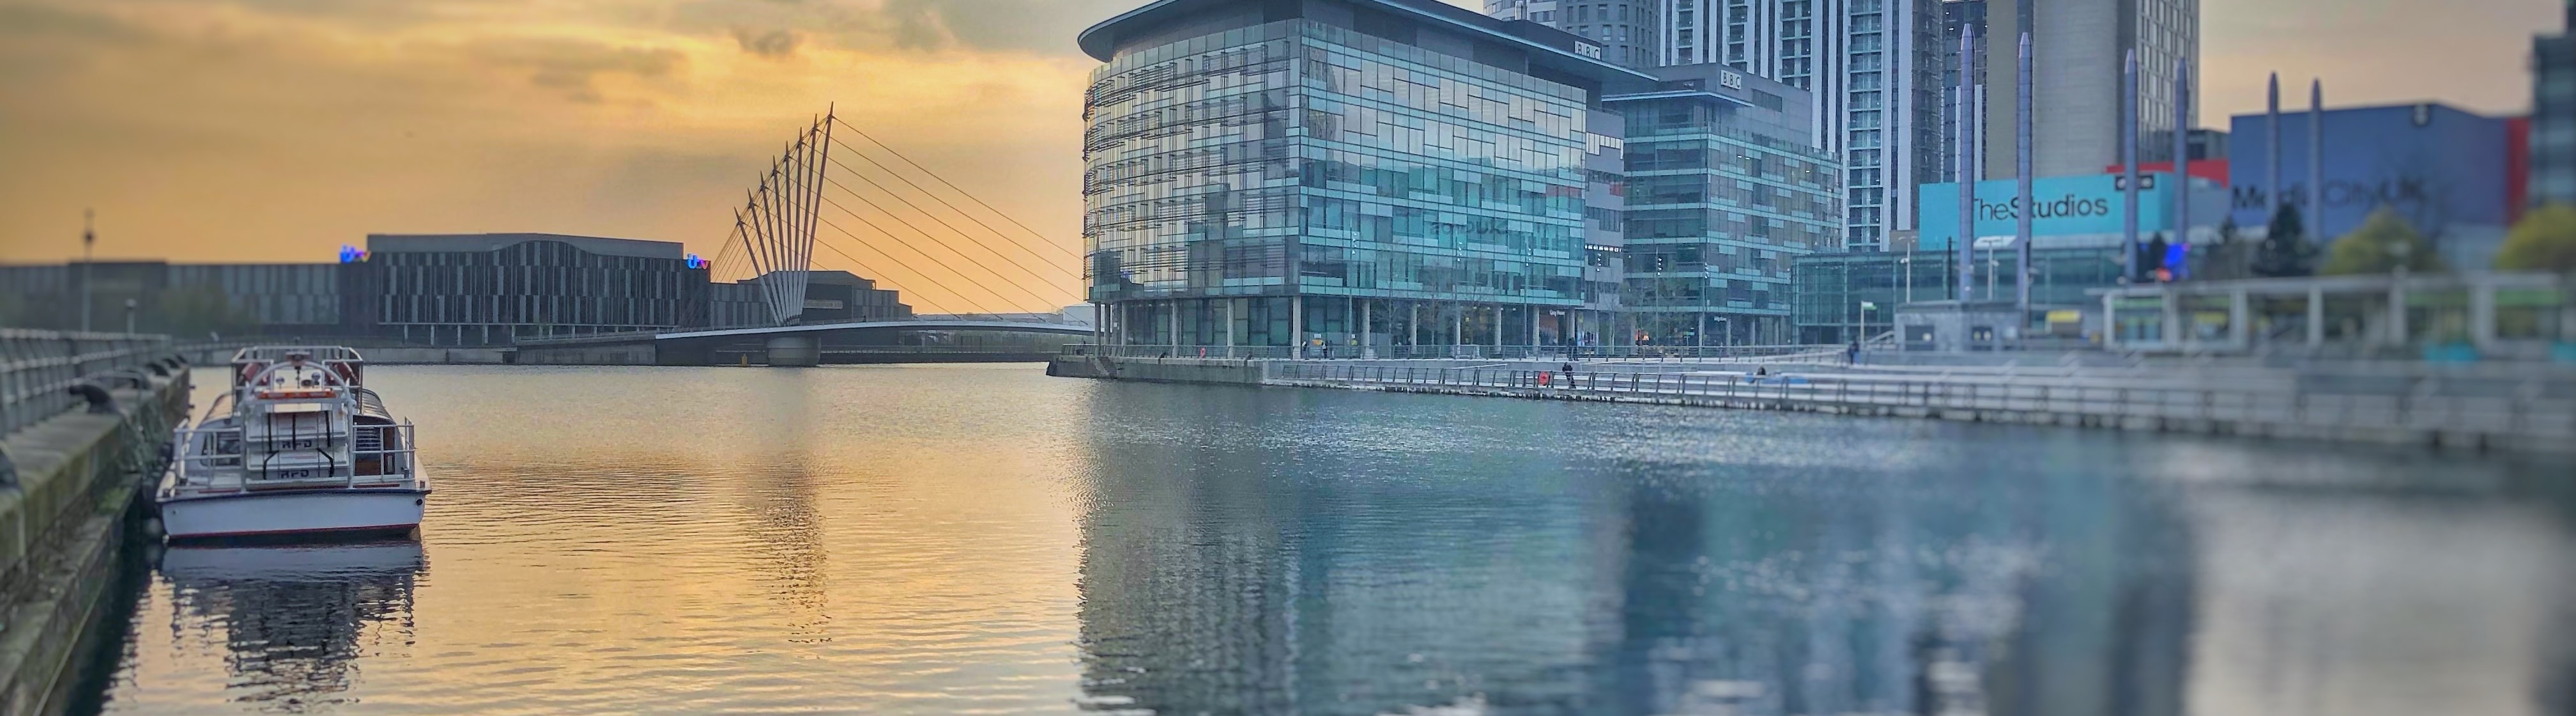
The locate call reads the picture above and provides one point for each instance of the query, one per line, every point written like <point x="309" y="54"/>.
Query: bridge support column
<point x="795" y="352"/>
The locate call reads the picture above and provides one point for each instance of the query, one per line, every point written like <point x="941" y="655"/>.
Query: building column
<point x="1296" y="326"/>
<point x="1368" y="346"/>
<point x="2170" y="312"/>
<point x="1498" y="330"/>
<point x="1413" y="324"/>
<point x="1229" y="326"/>
<point x="1174" y="322"/>
<point x="2397" y="312"/>
<point x="2110" y="323"/>
<point x="1457" y="325"/>
<point x="2482" y="314"/>
<point x="794" y="352"/>
<point x="2240" y="313"/>
<point x="2316" y="317"/>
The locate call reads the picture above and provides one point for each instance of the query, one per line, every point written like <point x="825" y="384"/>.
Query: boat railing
<point x="255" y="378"/>
<point x="207" y="455"/>
<point x="252" y="366"/>
<point x="318" y="354"/>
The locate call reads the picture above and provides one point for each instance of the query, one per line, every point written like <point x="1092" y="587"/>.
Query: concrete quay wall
<point x="2515" y="413"/>
<point x="62" y="527"/>
<point x="1159" y="370"/>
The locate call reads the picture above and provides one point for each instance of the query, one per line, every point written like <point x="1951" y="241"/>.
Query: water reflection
<point x="778" y="495"/>
<point x="294" y="619"/>
<point x="940" y="540"/>
<point x="1369" y="573"/>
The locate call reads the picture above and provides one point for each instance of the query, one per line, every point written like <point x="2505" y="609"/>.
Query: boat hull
<point x="292" y="513"/>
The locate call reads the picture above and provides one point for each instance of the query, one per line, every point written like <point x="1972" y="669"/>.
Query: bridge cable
<point x="1023" y="289"/>
<point x="979" y="263"/>
<point x="924" y="299"/>
<point x="944" y="223"/>
<point x="941" y="262"/>
<point x="907" y="266"/>
<point x="934" y="196"/>
<point x="774" y="241"/>
<point x="863" y="134"/>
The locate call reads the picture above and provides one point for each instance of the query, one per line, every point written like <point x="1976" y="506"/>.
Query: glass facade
<point x="1295" y="180"/>
<point x="1868" y="68"/>
<point x="1831" y="287"/>
<point x="2553" y="117"/>
<point x="1722" y="197"/>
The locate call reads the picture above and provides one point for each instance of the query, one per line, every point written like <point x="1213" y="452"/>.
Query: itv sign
<point x="2060" y="206"/>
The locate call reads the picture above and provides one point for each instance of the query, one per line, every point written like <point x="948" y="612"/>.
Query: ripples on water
<point x="983" y="539"/>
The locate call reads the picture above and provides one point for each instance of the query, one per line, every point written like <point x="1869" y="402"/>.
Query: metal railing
<point x="2537" y="417"/>
<point x="39" y="368"/>
<point x="1464" y="352"/>
<point x="212" y="453"/>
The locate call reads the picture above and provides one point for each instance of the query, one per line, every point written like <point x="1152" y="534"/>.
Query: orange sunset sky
<point x="277" y="130"/>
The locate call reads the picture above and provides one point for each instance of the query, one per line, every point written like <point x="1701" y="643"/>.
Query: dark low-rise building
<point x="439" y="289"/>
<point x="189" y="300"/>
<point x="490" y="289"/>
<point x="830" y="297"/>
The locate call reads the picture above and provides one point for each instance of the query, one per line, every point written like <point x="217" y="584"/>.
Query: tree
<point x="2384" y="242"/>
<point x="2285" y="250"/>
<point x="2545" y="240"/>
<point x="2228" y="257"/>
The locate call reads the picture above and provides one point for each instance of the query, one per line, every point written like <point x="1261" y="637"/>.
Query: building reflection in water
<point x="295" y="619"/>
<point x="1401" y="577"/>
<point x="777" y="490"/>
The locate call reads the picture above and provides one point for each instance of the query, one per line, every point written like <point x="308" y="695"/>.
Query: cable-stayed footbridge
<point x="886" y="226"/>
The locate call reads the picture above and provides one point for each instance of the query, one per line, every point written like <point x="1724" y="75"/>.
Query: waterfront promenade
<point x="2519" y="407"/>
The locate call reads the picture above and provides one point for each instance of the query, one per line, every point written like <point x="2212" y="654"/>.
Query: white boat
<point x="297" y="446"/>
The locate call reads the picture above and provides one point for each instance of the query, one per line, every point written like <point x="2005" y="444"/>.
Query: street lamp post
<point x="1908" y="263"/>
<point x="89" y="238"/>
<point x="1865" y="307"/>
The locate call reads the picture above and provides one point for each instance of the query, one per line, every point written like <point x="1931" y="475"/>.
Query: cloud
<point x="1041" y="26"/>
<point x="573" y="67"/>
<point x="773" y="43"/>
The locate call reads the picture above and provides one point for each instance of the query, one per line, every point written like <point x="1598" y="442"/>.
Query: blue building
<point x="1371" y="172"/>
<point x="2078" y="210"/>
<point x="1724" y="192"/>
<point x="2077" y="233"/>
<point x="2444" y="169"/>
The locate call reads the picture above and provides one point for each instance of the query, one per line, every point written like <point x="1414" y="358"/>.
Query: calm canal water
<point x="984" y="539"/>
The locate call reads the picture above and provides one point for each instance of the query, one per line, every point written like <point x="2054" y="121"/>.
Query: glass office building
<point x="1724" y="192"/>
<point x="2553" y="115"/>
<point x="1832" y="287"/>
<point x="1362" y="173"/>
